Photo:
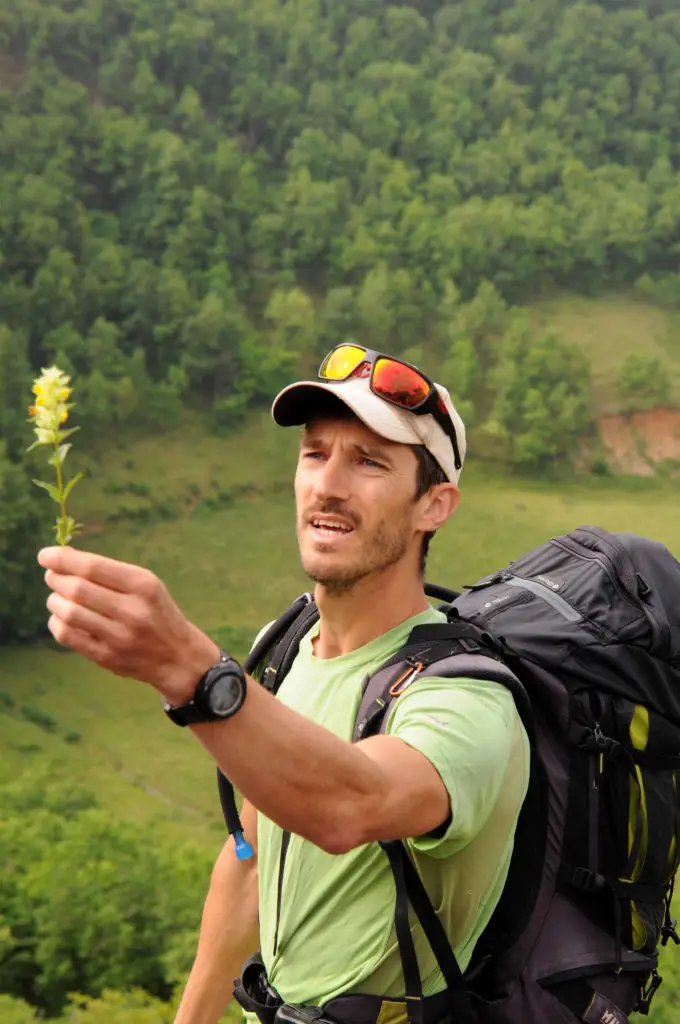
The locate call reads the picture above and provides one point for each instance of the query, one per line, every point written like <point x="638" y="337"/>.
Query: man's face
<point x="355" y="494"/>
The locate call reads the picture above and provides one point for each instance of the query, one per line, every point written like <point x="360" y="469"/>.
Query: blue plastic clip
<point x="243" y="848"/>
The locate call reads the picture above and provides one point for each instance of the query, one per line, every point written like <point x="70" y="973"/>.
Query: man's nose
<point x="332" y="479"/>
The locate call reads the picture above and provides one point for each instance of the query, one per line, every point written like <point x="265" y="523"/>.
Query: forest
<point x="198" y="198"/>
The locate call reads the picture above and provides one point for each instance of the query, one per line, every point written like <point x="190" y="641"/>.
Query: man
<point x="380" y="457"/>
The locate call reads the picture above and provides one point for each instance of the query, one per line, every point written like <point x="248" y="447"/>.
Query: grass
<point x="214" y="517"/>
<point x="609" y="328"/>
<point x="232" y="568"/>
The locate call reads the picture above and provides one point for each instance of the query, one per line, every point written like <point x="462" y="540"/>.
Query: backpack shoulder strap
<point x="278" y="644"/>
<point x="283" y="652"/>
<point x="453" y="649"/>
<point x="277" y="637"/>
<point x="448" y="649"/>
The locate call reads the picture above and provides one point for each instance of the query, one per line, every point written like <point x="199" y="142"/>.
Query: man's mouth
<point x="330" y="526"/>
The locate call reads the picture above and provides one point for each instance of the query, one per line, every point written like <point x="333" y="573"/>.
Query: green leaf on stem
<point x="63" y="434"/>
<point x="63" y="452"/>
<point x="50" y="488"/>
<point x="66" y="529"/>
<point x="71" y="484"/>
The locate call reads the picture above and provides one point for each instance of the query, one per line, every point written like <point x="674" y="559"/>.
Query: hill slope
<point x="230" y="559"/>
<point x="609" y="329"/>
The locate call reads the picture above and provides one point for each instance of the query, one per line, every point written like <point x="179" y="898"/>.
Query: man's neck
<point x="373" y="606"/>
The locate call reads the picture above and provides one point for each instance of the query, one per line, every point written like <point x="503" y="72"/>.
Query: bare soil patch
<point x="637" y="442"/>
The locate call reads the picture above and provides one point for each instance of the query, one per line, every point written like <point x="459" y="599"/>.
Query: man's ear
<point x="438" y="505"/>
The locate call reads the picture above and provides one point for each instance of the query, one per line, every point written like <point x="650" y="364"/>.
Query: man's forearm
<point x="229" y="935"/>
<point x="295" y="772"/>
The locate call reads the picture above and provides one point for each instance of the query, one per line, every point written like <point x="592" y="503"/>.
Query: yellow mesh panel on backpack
<point x="639" y="737"/>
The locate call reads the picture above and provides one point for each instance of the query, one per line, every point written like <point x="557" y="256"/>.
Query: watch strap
<point x="186" y="714"/>
<point x="193" y="712"/>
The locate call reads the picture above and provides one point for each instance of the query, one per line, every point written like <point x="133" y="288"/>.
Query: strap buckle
<point x="669" y="931"/>
<point x="648" y="993"/>
<point x="582" y="878"/>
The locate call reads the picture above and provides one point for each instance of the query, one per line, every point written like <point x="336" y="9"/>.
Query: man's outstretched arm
<point x="229" y="932"/>
<point x="334" y="793"/>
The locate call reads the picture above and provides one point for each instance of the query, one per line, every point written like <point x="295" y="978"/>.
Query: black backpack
<point x="585" y="632"/>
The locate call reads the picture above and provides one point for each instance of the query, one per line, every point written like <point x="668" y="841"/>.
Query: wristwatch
<point x="218" y="695"/>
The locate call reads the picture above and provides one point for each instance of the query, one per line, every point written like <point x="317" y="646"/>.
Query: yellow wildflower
<point x="47" y="414"/>
<point x="50" y="409"/>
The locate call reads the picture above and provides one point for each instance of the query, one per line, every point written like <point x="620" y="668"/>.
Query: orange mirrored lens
<point x="399" y="383"/>
<point x="340" y="363"/>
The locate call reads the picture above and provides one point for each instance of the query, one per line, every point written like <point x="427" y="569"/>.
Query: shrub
<point x="38" y="717"/>
<point x="643" y="382"/>
<point x="542" y="398"/>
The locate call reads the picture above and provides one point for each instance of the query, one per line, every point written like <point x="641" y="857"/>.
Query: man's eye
<point x="371" y="463"/>
<point x="312" y="455"/>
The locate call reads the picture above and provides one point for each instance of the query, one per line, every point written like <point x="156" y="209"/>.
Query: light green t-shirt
<point x="336" y="930"/>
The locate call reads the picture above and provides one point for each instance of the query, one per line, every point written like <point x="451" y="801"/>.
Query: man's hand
<point x="122" y="617"/>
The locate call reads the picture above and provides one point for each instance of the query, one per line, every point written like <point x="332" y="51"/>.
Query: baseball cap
<point x="297" y="402"/>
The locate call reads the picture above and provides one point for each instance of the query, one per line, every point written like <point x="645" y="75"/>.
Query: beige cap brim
<point x="293" y="406"/>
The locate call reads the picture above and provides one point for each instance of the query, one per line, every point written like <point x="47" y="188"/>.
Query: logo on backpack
<point x="548" y="582"/>
<point x="612" y="1017"/>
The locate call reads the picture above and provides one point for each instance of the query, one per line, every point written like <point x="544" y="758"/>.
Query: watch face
<point x="225" y="695"/>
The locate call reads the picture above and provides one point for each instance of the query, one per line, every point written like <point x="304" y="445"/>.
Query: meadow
<point x="213" y="516"/>
<point x="610" y="328"/>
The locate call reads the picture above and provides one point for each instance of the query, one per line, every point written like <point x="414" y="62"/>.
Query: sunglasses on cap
<point x="393" y="380"/>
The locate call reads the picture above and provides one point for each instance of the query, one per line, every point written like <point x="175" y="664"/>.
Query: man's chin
<point x="330" y="572"/>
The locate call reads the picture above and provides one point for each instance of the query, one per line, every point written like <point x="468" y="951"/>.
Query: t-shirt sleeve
<point x="466" y="728"/>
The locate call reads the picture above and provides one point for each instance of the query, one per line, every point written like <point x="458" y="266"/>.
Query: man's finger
<point x="76" y="617"/>
<point x="90" y="595"/>
<point x="78" y="641"/>
<point x="108" y="572"/>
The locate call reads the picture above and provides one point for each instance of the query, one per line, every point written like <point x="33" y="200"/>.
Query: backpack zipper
<point x="588" y="555"/>
<point x="574" y="547"/>
<point x="545" y="594"/>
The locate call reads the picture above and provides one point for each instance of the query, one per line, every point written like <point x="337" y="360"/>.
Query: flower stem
<point x="61" y="533"/>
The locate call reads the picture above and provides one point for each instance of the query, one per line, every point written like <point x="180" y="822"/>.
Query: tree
<point x="112" y="1007"/>
<point x="87" y="903"/>
<point x="16" y="1011"/>
<point x="23" y="522"/>
<point x="291" y="314"/>
<point x="643" y="382"/>
<point x="216" y="183"/>
<point x="542" y="397"/>
<point x="15" y="390"/>
<point x="211" y="344"/>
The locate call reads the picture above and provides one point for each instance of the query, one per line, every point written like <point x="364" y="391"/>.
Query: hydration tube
<point x="263" y="645"/>
<point x="232" y="818"/>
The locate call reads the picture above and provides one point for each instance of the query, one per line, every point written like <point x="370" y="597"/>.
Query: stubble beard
<point x="385" y="547"/>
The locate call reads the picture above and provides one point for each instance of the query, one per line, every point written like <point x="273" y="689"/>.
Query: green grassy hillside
<point x="214" y="517"/>
<point x="218" y="526"/>
<point x="609" y="329"/>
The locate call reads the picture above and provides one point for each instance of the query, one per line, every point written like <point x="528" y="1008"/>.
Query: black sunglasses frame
<point x="429" y="405"/>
